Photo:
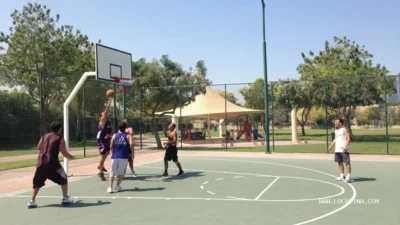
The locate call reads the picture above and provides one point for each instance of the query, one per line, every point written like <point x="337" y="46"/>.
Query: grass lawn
<point x="32" y="162"/>
<point x="29" y="150"/>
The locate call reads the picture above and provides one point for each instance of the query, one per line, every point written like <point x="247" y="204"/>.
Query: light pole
<point x="268" y="150"/>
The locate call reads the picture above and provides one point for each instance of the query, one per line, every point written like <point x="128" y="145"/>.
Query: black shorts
<point x="171" y="154"/>
<point x="55" y="174"/>
<point x="342" y="157"/>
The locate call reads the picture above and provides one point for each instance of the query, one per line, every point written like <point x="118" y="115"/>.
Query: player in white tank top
<point x="341" y="140"/>
<point x="342" y="149"/>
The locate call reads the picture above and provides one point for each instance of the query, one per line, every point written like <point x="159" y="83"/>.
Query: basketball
<point x="110" y="93"/>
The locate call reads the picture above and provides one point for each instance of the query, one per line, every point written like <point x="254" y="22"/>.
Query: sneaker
<point x="165" y="174"/>
<point x="134" y="174"/>
<point x="180" y="173"/>
<point x="32" y="204"/>
<point x="340" y="178"/>
<point x="66" y="201"/>
<point x="347" y="179"/>
<point x="117" y="188"/>
<point x="102" y="177"/>
<point x="104" y="169"/>
<point x="110" y="190"/>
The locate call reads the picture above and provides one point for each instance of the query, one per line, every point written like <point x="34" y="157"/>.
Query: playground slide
<point x="239" y="134"/>
<point x="260" y="136"/>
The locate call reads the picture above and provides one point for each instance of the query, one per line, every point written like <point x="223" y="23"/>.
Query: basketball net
<point x="126" y="84"/>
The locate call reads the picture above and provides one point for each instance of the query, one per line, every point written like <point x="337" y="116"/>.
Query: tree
<point x="229" y="97"/>
<point x="296" y="95"/>
<point x="253" y="96"/>
<point x="351" y="78"/>
<point x="37" y="51"/>
<point x="165" y="86"/>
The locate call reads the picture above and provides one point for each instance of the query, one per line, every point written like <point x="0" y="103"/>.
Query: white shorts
<point x="118" y="166"/>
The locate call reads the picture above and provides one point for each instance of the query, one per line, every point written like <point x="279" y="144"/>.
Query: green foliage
<point x="352" y="79"/>
<point x="229" y="96"/>
<point x="19" y="118"/>
<point x="40" y="54"/>
<point x="157" y="81"/>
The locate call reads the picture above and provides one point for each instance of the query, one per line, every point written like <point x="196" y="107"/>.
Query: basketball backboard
<point x="112" y="63"/>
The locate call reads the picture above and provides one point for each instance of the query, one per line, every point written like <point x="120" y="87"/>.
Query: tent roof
<point x="212" y="106"/>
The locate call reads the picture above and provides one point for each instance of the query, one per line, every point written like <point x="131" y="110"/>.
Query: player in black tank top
<point x="171" y="152"/>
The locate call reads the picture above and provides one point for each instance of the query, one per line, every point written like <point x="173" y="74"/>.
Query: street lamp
<point x="268" y="150"/>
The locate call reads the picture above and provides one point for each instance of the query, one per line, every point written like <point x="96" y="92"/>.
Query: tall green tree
<point x="296" y="95"/>
<point x="42" y="52"/>
<point x="166" y="86"/>
<point x="351" y="78"/>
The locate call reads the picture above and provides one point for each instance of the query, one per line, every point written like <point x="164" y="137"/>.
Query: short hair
<point x="122" y="126"/>
<point x="56" y="126"/>
<point x="173" y="125"/>
<point x="340" y="120"/>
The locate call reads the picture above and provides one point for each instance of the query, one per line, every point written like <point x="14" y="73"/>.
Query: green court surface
<point x="222" y="191"/>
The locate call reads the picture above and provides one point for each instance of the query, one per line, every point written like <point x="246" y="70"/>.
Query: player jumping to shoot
<point x="171" y="152"/>
<point x="104" y="139"/>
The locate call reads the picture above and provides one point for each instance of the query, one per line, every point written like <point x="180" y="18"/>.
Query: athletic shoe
<point x="117" y="188"/>
<point x="66" y="201"/>
<point x="347" y="179"/>
<point x="134" y="174"/>
<point x="104" y="169"/>
<point x="340" y="178"/>
<point x="102" y="177"/>
<point x="180" y="173"/>
<point x="110" y="190"/>
<point x="32" y="204"/>
<point x="165" y="174"/>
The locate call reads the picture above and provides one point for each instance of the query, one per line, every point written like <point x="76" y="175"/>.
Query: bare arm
<point x="64" y="152"/>
<point x="348" y="139"/>
<point x="130" y="140"/>
<point x="39" y="146"/>
<point x="112" y="143"/>
<point x="106" y="111"/>
<point x="330" y="146"/>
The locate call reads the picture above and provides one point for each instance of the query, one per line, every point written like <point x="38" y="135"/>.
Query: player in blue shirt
<point x="121" y="148"/>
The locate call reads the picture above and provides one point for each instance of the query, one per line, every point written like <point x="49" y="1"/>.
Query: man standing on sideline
<point x="48" y="165"/>
<point x="172" y="151"/>
<point x="121" y="148"/>
<point x="342" y="151"/>
<point x="103" y="139"/>
<point x="131" y="158"/>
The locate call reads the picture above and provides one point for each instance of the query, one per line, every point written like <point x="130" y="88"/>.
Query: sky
<point x="227" y="34"/>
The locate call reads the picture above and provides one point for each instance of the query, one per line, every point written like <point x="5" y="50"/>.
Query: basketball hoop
<point x="126" y="84"/>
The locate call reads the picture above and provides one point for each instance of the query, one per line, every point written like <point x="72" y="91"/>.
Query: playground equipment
<point x="186" y="134"/>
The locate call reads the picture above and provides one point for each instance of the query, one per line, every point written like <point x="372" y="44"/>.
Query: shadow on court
<point x="362" y="179"/>
<point x="186" y="175"/>
<point x="136" y="189"/>
<point x="77" y="204"/>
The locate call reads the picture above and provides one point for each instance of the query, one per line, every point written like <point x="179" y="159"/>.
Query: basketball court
<point x="222" y="190"/>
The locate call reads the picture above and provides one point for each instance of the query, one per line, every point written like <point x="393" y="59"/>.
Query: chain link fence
<point x="228" y="117"/>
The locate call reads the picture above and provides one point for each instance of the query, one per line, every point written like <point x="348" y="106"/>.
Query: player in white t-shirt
<point x="342" y="150"/>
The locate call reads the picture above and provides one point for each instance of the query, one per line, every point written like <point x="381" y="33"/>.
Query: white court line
<point x="219" y="179"/>
<point x="237" y="177"/>
<point x="270" y="185"/>
<point x="298" y="167"/>
<point x="209" y="192"/>
<point x="229" y="198"/>
<point x="237" y="198"/>
<point x="202" y="187"/>
<point x="288" y="177"/>
<point x="205" y="182"/>
<point x="69" y="181"/>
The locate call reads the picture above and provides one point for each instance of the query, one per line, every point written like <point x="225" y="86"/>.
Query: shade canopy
<point x="212" y="106"/>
